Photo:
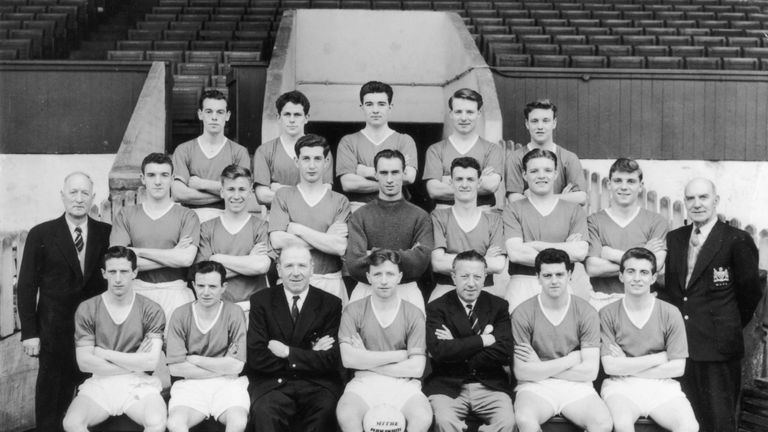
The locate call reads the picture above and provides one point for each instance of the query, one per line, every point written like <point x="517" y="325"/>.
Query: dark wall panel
<point x="605" y="114"/>
<point x="67" y="107"/>
<point x="247" y="94"/>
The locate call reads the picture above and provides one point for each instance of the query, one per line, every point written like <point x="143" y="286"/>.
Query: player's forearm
<point x="144" y="264"/>
<point x="576" y="250"/>
<point x="442" y="262"/>
<point x="577" y="197"/>
<point x="246" y="265"/>
<point x="541" y="370"/>
<point x="496" y="264"/>
<point x="174" y="258"/>
<point x="630" y="366"/>
<point x="514" y="196"/>
<point x="409" y="176"/>
<point x="413" y="367"/>
<point x="520" y="253"/>
<point x="220" y="365"/>
<point x="438" y="190"/>
<point x="212" y="187"/>
<point x="585" y="370"/>
<point x="264" y="194"/>
<point x="186" y="195"/>
<point x="324" y="242"/>
<point x="671" y="369"/>
<point x="138" y="361"/>
<point x="360" y="359"/>
<point x="489" y="184"/>
<point x="186" y="369"/>
<point x="357" y="184"/>
<point x="282" y="239"/>
<point x="611" y="254"/>
<point x="89" y="363"/>
<point x="599" y="267"/>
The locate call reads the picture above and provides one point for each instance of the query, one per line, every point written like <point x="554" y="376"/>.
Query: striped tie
<point x="295" y="309"/>
<point x="79" y="239"/>
<point x="473" y="319"/>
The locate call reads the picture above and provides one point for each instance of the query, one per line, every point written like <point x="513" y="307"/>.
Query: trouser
<point x="57" y="379"/>
<point x="713" y="389"/>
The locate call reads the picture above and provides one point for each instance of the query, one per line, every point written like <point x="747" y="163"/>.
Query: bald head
<point x="701" y="200"/>
<point x="295" y="267"/>
<point x="77" y="196"/>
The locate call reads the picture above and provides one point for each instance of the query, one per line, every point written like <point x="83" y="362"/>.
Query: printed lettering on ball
<point x="384" y="418"/>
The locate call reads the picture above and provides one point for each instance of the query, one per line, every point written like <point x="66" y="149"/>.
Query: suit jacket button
<point x="293" y="365"/>
<point x="279" y="380"/>
<point x="685" y="298"/>
<point x="685" y="317"/>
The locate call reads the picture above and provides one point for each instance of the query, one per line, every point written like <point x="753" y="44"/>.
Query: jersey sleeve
<point x="416" y="339"/>
<point x="120" y="236"/>
<point x="675" y="338"/>
<point x="176" y="347"/>
<point x="190" y="227"/>
<point x="494" y="158"/>
<point x="433" y="165"/>
<point x="346" y="159"/>
<point x="589" y="326"/>
<point x="343" y="210"/>
<point x="579" y="223"/>
<point x="511" y="219"/>
<point x="513" y="174"/>
<point x="522" y="325"/>
<point x="438" y="230"/>
<point x="85" y="328"/>
<point x="237" y="334"/>
<point x="409" y="151"/>
<point x="350" y="320"/>
<point x="496" y="227"/>
<point x="153" y="320"/>
<point x="278" y="214"/>
<point x="260" y="233"/>
<point x="659" y="228"/>
<point x="261" y="174"/>
<point x="205" y="249"/>
<point x="181" y="159"/>
<point x="607" y="329"/>
<point x="241" y="157"/>
<point x="595" y="244"/>
<point x="574" y="172"/>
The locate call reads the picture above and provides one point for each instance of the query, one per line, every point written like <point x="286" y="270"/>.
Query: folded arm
<point x="528" y="367"/>
<point x="144" y="360"/>
<point x="413" y="367"/>
<point x="333" y="242"/>
<point x="185" y="194"/>
<point x="586" y="369"/>
<point x="91" y="363"/>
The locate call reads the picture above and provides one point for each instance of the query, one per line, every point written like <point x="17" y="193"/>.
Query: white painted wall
<point x="30" y="186"/>
<point x="742" y="186"/>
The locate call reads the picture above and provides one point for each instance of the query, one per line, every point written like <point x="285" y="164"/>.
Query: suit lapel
<point x="282" y="314"/>
<point x="457" y="310"/>
<point x="67" y="245"/>
<point x="683" y="242"/>
<point x="306" y="316"/>
<point x="91" y="252"/>
<point x="708" y="251"/>
<point x="483" y="310"/>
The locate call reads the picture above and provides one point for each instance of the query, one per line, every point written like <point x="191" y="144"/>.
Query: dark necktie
<point x="79" y="239"/>
<point x="295" y="309"/>
<point x="473" y="321"/>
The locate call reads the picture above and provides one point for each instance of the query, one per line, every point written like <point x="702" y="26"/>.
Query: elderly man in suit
<point x="61" y="266"/>
<point x="293" y="355"/>
<point x="469" y="336"/>
<point x="712" y="277"/>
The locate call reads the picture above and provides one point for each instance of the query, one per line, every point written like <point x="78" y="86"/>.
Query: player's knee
<point x="348" y="417"/>
<point x="176" y="423"/>
<point x="507" y="422"/>
<point x="600" y="423"/>
<point x="154" y="422"/>
<point x="419" y="420"/>
<point x="687" y="425"/>
<point x="73" y="422"/>
<point x="526" y="421"/>
<point x="237" y="420"/>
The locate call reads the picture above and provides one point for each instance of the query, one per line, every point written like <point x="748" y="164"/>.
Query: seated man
<point x="293" y="357"/>
<point x="206" y="347"/>
<point x="118" y="339"/>
<point x="470" y="340"/>
<point x="644" y="347"/>
<point x="381" y="337"/>
<point x="557" y="352"/>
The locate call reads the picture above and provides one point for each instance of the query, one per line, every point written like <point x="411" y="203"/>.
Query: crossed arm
<point x="255" y="263"/>
<point x="580" y="365"/>
<point x="100" y="361"/>
<point x="333" y="241"/>
<point x="195" y="366"/>
<point x="607" y="264"/>
<point x="198" y="191"/>
<point x="656" y="365"/>
<point x="181" y="255"/>
<point x="397" y="363"/>
<point x="525" y="252"/>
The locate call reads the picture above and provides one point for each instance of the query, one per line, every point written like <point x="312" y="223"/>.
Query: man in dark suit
<point x="470" y="339"/>
<point x="293" y="354"/>
<point x="61" y="265"/>
<point x="712" y="276"/>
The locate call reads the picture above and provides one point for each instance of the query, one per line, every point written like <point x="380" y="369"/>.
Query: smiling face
<point x="209" y="288"/>
<point x="465" y="183"/>
<point x="637" y="277"/>
<point x="312" y="164"/>
<point x="235" y="194"/>
<point x="119" y="274"/>
<point x="77" y="196"/>
<point x="625" y="188"/>
<point x="293" y="119"/>
<point x="554" y="279"/>
<point x="540" y="175"/>
<point x="157" y="179"/>
<point x="295" y="267"/>
<point x="376" y="108"/>
<point x="469" y="278"/>
<point x="701" y="201"/>
<point x="214" y="115"/>
<point x="464" y="115"/>
<point x="541" y="124"/>
<point x="384" y="279"/>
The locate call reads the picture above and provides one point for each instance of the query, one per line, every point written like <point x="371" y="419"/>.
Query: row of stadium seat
<point x="632" y="15"/>
<point x="37" y="29"/>
<point x="190" y="35"/>
<point x="264" y="26"/>
<point x="632" y="62"/>
<point x="176" y="57"/>
<point x="626" y="50"/>
<point x="185" y="45"/>
<point x="758" y="21"/>
<point x="631" y="40"/>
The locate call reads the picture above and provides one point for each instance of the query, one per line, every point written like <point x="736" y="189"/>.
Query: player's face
<point x="625" y="188"/>
<point x="638" y="276"/>
<point x="701" y="201"/>
<point x="312" y="164"/>
<point x="235" y="194"/>
<point x="293" y="119"/>
<point x="295" y="267"/>
<point x="384" y="279"/>
<point x="77" y="196"/>
<point x="376" y="108"/>
<point x="157" y="180"/>
<point x="214" y="115"/>
<point x="540" y="175"/>
<point x="541" y="124"/>
<point x="554" y="279"/>
<point x="119" y="276"/>
<point x="465" y="182"/>
<point x="469" y="278"/>
<point x="464" y="115"/>
<point x="389" y="174"/>
<point x="209" y="288"/>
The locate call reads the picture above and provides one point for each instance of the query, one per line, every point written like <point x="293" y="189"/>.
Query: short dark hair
<point x="466" y="162"/>
<point x="538" y="153"/>
<point x="156" y="158"/>
<point x="233" y="172"/>
<point x="311" y="140"/>
<point x="552" y="256"/>
<point x="212" y="94"/>
<point x="117" y="252"/>
<point x="376" y="87"/>
<point x="388" y="154"/>
<point x="638" y="253"/>
<point x="294" y="97"/>
<point x="625" y="165"/>
<point x="544" y="104"/>
<point x="466" y="94"/>
<point x="205" y="267"/>
<point x="380" y="256"/>
<point x="469" y="255"/>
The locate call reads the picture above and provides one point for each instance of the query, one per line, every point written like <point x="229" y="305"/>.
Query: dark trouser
<point x="57" y="379"/>
<point x="713" y="389"/>
<point x="310" y="406"/>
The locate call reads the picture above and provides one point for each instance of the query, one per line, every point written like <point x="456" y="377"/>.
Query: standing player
<point x="465" y="109"/>
<point x="643" y="349"/>
<point x="119" y="338"/>
<point x="557" y="352"/>
<point x="390" y="222"/>
<point x="355" y="156"/>
<point x="206" y="346"/>
<point x="237" y="239"/>
<point x="540" y="221"/>
<point x="614" y="230"/>
<point x="312" y="214"/>
<point x="541" y="121"/>
<point x="163" y="234"/>
<point x="470" y="341"/>
<point x="199" y="162"/>
<point x="382" y="338"/>
<point x="464" y="227"/>
<point x="274" y="165"/>
<point x="293" y="357"/>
